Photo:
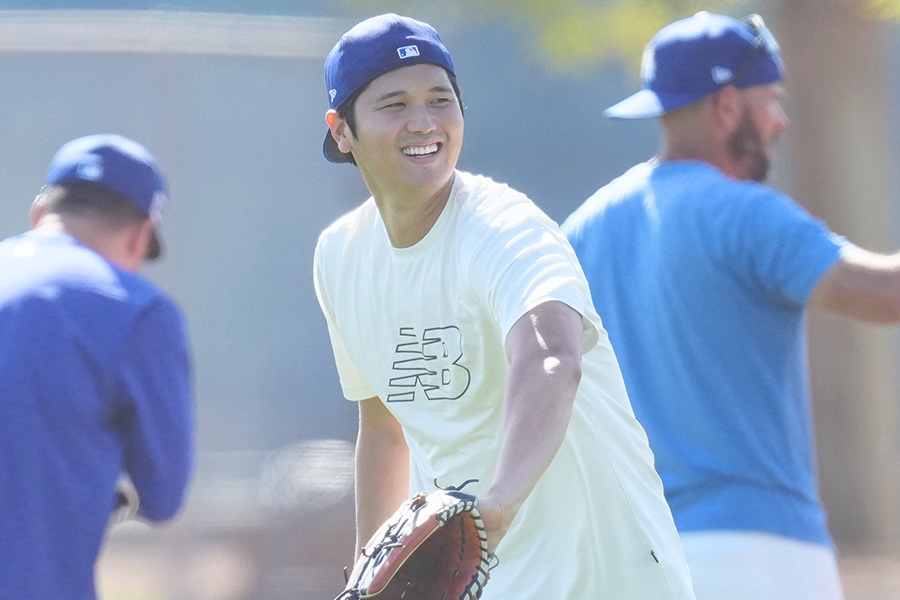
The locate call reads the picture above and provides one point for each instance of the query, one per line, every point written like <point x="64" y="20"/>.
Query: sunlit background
<point x="229" y="95"/>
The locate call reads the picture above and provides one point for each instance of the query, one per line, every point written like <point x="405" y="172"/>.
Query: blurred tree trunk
<point x="843" y="163"/>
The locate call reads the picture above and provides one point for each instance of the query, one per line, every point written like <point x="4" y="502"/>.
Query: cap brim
<point x="332" y="152"/>
<point x="646" y="103"/>
<point x="641" y="105"/>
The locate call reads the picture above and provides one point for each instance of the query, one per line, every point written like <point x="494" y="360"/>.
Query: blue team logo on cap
<point x="408" y="51"/>
<point x="90" y="171"/>
<point x="722" y="75"/>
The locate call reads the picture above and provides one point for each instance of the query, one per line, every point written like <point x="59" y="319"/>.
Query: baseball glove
<point x="433" y="548"/>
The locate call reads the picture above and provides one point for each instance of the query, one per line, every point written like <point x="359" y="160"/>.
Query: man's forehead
<point x="418" y="77"/>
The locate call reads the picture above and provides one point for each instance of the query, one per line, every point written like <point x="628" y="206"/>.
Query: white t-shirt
<point x="424" y="329"/>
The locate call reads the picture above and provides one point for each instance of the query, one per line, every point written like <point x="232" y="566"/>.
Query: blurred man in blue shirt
<point x="702" y="276"/>
<point x="95" y="373"/>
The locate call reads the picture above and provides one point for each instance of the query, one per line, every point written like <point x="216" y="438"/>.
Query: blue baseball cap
<point x="118" y="164"/>
<point x="694" y="57"/>
<point x="372" y="48"/>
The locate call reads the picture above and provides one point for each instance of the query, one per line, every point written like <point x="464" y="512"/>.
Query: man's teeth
<point x="420" y="150"/>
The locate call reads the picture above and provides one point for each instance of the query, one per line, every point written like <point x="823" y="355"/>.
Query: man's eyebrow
<point x="439" y="89"/>
<point x="389" y="95"/>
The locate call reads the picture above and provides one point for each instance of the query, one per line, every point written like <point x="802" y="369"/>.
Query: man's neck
<point x="111" y="245"/>
<point x="409" y="217"/>
<point x="709" y="153"/>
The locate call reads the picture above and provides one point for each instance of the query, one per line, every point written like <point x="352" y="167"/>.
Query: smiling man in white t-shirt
<point x="462" y="325"/>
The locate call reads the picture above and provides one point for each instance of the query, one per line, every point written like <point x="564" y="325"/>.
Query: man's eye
<point x="442" y="101"/>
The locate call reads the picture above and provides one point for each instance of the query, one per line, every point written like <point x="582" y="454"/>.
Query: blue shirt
<point x="701" y="282"/>
<point x="94" y="381"/>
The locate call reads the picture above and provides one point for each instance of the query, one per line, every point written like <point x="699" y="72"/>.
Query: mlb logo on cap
<point x="407" y="51"/>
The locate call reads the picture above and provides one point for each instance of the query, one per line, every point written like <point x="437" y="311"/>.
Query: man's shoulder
<point x="699" y="175"/>
<point x="633" y="183"/>
<point x="145" y="291"/>
<point x="637" y="176"/>
<point x="690" y="186"/>
<point x="54" y="280"/>
<point x="132" y="293"/>
<point x="53" y="259"/>
<point x="349" y="223"/>
<point x="482" y="199"/>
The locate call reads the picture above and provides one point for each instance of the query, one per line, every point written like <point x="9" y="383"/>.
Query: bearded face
<point x="747" y="148"/>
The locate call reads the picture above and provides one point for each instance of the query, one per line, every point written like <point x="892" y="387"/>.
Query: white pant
<point x="744" y="565"/>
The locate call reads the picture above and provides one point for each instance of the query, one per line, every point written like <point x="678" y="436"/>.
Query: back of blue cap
<point x="692" y="58"/>
<point x="119" y="164"/>
<point x="114" y="162"/>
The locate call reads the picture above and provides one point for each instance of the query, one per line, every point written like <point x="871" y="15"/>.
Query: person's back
<point x="94" y="383"/>
<point x="704" y="299"/>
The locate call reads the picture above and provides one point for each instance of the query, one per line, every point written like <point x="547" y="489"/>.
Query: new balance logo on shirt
<point x="427" y="366"/>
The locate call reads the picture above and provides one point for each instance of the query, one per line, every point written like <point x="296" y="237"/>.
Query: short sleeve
<point x="526" y="261"/>
<point x="353" y="385"/>
<point x="775" y="246"/>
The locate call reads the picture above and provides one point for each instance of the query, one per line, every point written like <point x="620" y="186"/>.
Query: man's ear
<point x="728" y="107"/>
<point x="137" y="242"/>
<point x="340" y="131"/>
<point x="37" y="209"/>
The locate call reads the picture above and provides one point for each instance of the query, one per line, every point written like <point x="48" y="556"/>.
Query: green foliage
<point x="885" y="9"/>
<point x="569" y="35"/>
<point x="573" y="33"/>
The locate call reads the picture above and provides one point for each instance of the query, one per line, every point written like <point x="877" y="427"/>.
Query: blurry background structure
<point x="229" y="95"/>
